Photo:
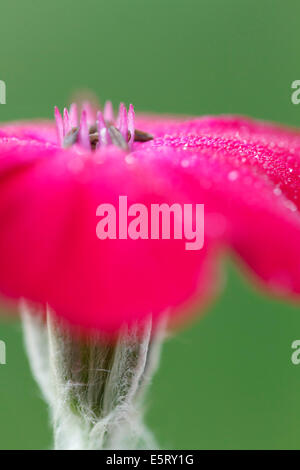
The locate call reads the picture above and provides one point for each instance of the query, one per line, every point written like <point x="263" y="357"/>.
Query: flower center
<point x="96" y="130"/>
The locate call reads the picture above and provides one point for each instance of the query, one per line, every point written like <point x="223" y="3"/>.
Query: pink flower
<point x="52" y="180"/>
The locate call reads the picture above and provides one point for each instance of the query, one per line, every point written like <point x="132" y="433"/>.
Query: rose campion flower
<point x="53" y="178"/>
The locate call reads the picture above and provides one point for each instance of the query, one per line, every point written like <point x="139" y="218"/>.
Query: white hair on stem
<point x="95" y="391"/>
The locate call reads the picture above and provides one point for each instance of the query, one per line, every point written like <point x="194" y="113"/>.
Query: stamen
<point x="83" y="135"/>
<point x="59" y="125"/>
<point x="71" y="138"/>
<point x="67" y="126"/>
<point x="108" y="112"/>
<point x="119" y="114"/>
<point x="117" y="138"/>
<point x="91" y="134"/>
<point x="103" y="134"/>
<point x="73" y="115"/>
<point x="131" y="117"/>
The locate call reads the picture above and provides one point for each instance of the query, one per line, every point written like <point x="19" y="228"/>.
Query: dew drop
<point x="129" y="159"/>
<point x="277" y="191"/>
<point x="291" y="206"/>
<point x="185" y="163"/>
<point x="233" y="175"/>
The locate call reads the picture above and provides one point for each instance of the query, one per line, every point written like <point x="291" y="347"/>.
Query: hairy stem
<point x="95" y="390"/>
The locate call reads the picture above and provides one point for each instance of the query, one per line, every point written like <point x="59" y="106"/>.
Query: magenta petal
<point x="267" y="149"/>
<point x="245" y="173"/>
<point x="43" y="131"/>
<point x="49" y="229"/>
<point x="244" y="210"/>
<point x="15" y="154"/>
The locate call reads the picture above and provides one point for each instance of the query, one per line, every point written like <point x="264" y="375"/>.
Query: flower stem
<point x="95" y="389"/>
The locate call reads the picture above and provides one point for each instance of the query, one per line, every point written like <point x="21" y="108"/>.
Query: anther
<point x="91" y="134"/>
<point x="140" y="136"/>
<point x="117" y="138"/>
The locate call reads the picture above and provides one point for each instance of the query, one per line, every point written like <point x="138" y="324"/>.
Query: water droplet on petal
<point x="291" y="206"/>
<point x="185" y="163"/>
<point x="233" y="175"/>
<point x="129" y="159"/>
<point x="277" y="191"/>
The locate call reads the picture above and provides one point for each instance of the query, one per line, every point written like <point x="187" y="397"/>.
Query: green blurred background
<point x="226" y="382"/>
